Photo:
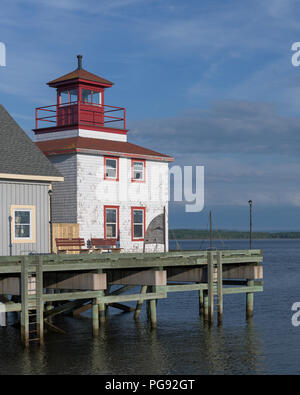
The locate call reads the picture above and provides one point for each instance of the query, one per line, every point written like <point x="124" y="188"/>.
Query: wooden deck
<point x="84" y="281"/>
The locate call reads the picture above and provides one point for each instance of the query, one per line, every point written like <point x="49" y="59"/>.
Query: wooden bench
<point x="67" y="246"/>
<point x="98" y="245"/>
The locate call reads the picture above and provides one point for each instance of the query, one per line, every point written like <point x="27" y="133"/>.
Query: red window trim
<point x="132" y="174"/>
<point x="132" y="235"/>
<point x="117" y="208"/>
<point x="109" y="178"/>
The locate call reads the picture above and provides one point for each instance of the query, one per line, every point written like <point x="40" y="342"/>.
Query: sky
<point x="209" y="82"/>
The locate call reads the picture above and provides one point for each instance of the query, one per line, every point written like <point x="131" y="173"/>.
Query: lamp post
<point x="50" y="193"/>
<point x="250" y="207"/>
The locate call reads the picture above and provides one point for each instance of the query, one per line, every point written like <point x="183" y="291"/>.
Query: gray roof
<point x="18" y="154"/>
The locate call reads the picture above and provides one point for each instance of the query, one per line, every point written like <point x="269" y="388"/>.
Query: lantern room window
<point x="73" y="95"/>
<point x="86" y="96"/>
<point x="69" y="96"/>
<point x="91" y="97"/>
<point x="138" y="170"/>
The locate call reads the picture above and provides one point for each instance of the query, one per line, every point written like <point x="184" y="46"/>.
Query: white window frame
<point x="32" y="224"/>
<point x="134" y="171"/>
<point x="143" y="210"/>
<point x="106" y="167"/>
<point x="112" y="223"/>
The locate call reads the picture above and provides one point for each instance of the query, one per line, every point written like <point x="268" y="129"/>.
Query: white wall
<point x="93" y="193"/>
<point x="80" y="133"/>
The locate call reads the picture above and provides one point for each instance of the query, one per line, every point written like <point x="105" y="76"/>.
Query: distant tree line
<point x="200" y="234"/>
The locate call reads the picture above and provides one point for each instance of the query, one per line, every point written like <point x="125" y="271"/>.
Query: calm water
<point x="182" y="343"/>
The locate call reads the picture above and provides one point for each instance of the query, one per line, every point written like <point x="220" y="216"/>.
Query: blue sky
<point x="209" y="82"/>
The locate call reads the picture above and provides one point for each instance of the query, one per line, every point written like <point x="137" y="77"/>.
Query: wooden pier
<point x="32" y="284"/>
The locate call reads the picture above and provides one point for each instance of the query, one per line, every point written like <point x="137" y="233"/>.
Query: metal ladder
<point x="32" y="301"/>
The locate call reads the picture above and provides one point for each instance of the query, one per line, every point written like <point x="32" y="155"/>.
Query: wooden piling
<point x="140" y="303"/>
<point x="220" y="286"/>
<point x="152" y="309"/>
<point x="39" y="300"/>
<point x="201" y="302"/>
<point x="210" y="284"/>
<point x="153" y="318"/>
<point x="95" y="316"/>
<point x="205" y="304"/>
<point x="102" y="309"/>
<point x="24" y="302"/>
<point x="249" y="300"/>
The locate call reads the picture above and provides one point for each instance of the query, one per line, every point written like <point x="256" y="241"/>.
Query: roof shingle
<point x="80" y="74"/>
<point x="18" y="154"/>
<point x="75" y="144"/>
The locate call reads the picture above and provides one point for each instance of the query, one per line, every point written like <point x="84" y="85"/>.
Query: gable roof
<point x="108" y="147"/>
<point x="19" y="157"/>
<point x="80" y="74"/>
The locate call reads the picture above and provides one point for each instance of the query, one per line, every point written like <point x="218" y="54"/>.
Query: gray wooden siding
<point x="64" y="193"/>
<point x="24" y="193"/>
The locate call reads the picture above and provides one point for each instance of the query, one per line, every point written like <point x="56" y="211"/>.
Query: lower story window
<point x="138" y="223"/>
<point x="23" y="224"/>
<point x="111" y="222"/>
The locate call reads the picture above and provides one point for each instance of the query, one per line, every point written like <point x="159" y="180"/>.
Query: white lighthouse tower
<point x="113" y="189"/>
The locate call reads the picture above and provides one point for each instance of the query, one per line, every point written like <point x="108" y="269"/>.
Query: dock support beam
<point x="140" y="303"/>
<point x="249" y="300"/>
<point x="210" y="270"/>
<point x="220" y="287"/>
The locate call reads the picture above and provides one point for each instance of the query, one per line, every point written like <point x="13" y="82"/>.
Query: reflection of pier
<point x="40" y="283"/>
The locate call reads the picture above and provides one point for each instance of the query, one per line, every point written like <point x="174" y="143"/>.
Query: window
<point x="86" y="96"/>
<point x="96" y="98"/>
<point x="23" y="224"/>
<point x="111" y="168"/>
<point x="138" y="215"/>
<point x="111" y="222"/>
<point x="73" y="95"/>
<point x="138" y="170"/>
<point x="68" y="96"/>
<point x="64" y="97"/>
<point x="91" y="97"/>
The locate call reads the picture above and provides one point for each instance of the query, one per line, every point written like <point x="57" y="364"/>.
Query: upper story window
<point x="111" y="168"/>
<point x="138" y="170"/>
<point x="92" y="97"/>
<point x="23" y="224"/>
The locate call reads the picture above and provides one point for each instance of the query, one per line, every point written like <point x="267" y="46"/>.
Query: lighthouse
<point x="112" y="188"/>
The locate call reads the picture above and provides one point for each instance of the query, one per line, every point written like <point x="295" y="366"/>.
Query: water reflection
<point x="126" y="346"/>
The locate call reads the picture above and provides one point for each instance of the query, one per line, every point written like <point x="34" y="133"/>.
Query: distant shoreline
<point x="194" y="234"/>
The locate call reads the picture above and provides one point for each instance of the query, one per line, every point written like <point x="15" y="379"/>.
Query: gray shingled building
<point x="26" y="177"/>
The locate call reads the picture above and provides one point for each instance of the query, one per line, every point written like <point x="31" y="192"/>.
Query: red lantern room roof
<point x="80" y="74"/>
